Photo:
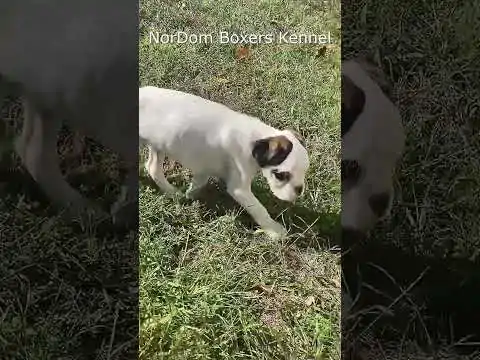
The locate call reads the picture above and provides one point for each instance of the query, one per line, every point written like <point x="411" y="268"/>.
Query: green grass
<point x="210" y="288"/>
<point x="430" y="52"/>
<point x="434" y="71"/>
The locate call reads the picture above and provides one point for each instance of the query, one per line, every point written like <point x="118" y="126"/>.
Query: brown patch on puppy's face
<point x="271" y="151"/>
<point x="353" y="102"/>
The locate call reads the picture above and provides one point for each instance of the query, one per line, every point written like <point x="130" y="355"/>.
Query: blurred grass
<point x="435" y="75"/>
<point x="65" y="290"/>
<point x="430" y="52"/>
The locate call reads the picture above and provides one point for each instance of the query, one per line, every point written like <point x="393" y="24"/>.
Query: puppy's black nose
<point x="299" y="189"/>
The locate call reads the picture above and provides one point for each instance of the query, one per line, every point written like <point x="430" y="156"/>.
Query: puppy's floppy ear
<point x="299" y="137"/>
<point x="353" y="102"/>
<point x="351" y="172"/>
<point x="376" y="73"/>
<point x="271" y="151"/>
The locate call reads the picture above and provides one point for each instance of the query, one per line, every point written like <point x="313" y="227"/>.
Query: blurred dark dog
<point x="372" y="143"/>
<point x="373" y="140"/>
<point x="74" y="62"/>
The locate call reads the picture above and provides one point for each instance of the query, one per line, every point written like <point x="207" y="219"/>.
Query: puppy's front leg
<point x="244" y="196"/>
<point x="154" y="167"/>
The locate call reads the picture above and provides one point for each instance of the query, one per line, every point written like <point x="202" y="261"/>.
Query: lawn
<point x="430" y="52"/>
<point x="211" y="288"/>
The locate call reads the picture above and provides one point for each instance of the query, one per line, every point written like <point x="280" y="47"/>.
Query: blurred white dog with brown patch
<point x="373" y="141"/>
<point x="213" y="140"/>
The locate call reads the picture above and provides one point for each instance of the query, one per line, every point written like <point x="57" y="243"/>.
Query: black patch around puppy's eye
<point x="351" y="171"/>
<point x="379" y="203"/>
<point x="353" y="102"/>
<point x="281" y="175"/>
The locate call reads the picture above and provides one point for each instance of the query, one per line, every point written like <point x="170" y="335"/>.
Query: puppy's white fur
<point x="376" y="140"/>
<point x="214" y="141"/>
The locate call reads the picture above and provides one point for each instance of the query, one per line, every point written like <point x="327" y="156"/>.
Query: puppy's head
<point x="284" y="161"/>
<point x="372" y="141"/>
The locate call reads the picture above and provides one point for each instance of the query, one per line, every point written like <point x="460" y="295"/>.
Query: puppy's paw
<point x="173" y="193"/>
<point x="274" y="235"/>
<point x="86" y="214"/>
<point x="195" y="188"/>
<point x="192" y="194"/>
<point x="274" y="231"/>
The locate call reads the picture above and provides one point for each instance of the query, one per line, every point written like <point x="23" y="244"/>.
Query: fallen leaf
<point x="309" y="301"/>
<point x="324" y="50"/>
<point x="268" y="289"/>
<point x="221" y="80"/>
<point x="242" y="53"/>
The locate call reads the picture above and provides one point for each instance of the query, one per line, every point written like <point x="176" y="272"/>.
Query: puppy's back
<point x="176" y="111"/>
<point x="152" y="96"/>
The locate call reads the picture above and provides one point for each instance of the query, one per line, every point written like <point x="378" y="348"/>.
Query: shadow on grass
<point x="62" y="272"/>
<point x="94" y="182"/>
<point x="314" y="229"/>
<point x="423" y="297"/>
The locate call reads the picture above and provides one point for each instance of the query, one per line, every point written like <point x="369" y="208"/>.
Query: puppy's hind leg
<point x="154" y="167"/>
<point x="37" y="147"/>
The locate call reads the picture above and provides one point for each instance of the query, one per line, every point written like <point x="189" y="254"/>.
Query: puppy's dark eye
<point x="351" y="172"/>
<point x="281" y="175"/>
